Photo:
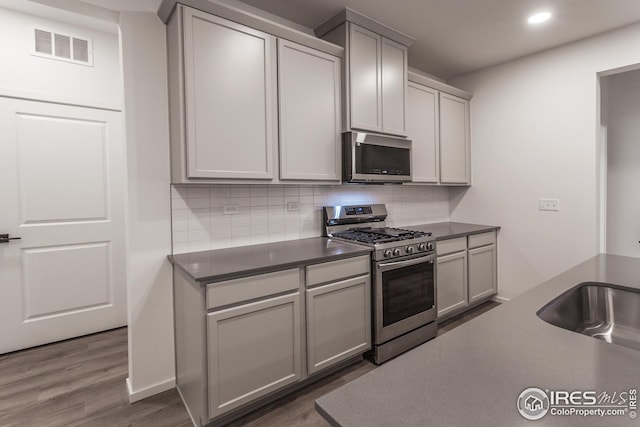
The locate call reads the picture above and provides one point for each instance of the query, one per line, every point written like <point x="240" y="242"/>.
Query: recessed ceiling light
<point x="539" y="17"/>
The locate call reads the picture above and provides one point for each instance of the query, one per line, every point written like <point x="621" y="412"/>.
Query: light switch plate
<point x="293" y="206"/>
<point x="549" y="204"/>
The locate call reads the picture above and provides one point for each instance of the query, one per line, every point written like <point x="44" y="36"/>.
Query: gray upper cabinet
<point x="247" y="106"/>
<point x="424" y="116"/>
<point x="364" y="78"/>
<point x="394" y="87"/>
<point x="309" y="113"/>
<point x="438" y="126"/>
<point x="375" y="72"/>
<point x="454" y="140"/>
<point x="230" y="73"/>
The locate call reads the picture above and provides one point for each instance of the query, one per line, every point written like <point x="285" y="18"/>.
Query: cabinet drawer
<point x="248" y="288"/>
<point x="335" y="270"/>
<point x="477" y="240"/>
<point x="449" y="246"/>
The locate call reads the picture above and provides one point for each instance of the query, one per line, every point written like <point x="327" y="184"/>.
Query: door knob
<point x="4" y="238"/>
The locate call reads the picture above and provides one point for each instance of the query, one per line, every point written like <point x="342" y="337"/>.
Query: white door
<point x="61" y="191"/>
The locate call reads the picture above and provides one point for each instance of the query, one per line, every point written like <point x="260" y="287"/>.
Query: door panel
<point x="394" y="87"/>
<point x="454" y="140"/>
<point x="482" y="272"/>
<point x="309" y="107"/>
<point x="86" y="285"/>
<point x="253" y="349"/>
<point x="230" y="81"/>
<point x="452" y="283"/>
<point x="62" y="196"/>
<point x="423" y="127"/>
<point x="62" y="188"/>
<point x="364" y="79"/>
<point x="338" y="322"/>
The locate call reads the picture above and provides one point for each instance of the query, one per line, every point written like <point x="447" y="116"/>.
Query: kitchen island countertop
<point x="473" y="375"/>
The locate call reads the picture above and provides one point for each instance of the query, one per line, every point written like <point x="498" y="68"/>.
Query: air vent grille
<point x="80" y="50"/>
<point x="43" y="42"/>
<point x="63" y="47"/>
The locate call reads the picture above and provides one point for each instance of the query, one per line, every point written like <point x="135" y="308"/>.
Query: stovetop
<point x="370" y="235"/>
<point x="365" y="225"/>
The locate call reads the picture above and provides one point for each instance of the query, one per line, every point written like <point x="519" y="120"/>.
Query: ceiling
<point x="455" y="37"/>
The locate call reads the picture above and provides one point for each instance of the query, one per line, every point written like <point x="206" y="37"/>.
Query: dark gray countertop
<point x="450" y="230"/>
<point x="230" y="263"/>
<point x="472" y="375"/>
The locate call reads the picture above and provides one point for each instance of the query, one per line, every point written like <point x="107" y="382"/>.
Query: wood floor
<point x="81" y="382"/>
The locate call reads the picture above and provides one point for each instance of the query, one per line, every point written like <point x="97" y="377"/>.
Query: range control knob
<point x="387" y="253"/>
<point x="396" y="252"/>
<point x="422" y="247"/>
<point x="410" y="249"/>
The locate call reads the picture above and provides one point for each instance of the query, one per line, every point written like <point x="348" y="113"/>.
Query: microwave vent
<point x="63" y="47"/>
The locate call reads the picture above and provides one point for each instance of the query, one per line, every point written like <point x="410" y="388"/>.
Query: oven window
<point x="407" y="291"/>
<point x="380" y="160"/>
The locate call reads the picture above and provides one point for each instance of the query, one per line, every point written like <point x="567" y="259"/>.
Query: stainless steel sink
<point x="607" y="312"/>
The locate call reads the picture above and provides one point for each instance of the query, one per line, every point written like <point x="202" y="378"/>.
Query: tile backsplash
<point x="266" y="213"/>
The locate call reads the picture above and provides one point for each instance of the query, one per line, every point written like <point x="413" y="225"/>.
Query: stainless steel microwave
<point x="373" y="158"/>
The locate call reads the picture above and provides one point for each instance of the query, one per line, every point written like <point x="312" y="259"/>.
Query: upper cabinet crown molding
<point x="418" y="77"/>
<point x="377" y="27"/>
<point x="246" y="15"/>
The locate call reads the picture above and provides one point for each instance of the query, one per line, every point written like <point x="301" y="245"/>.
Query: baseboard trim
<point x="500" y="299"/>
<point x="135" y="396"/>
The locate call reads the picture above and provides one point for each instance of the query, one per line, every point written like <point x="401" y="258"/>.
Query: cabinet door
<point x="451" y="283"/>
<point x="394" y="88"/>
<point x="253" y="349"/>
<point x="424" y="133"/>
<point x="482" y="272"/>
<point x="338" y="322"/>
<point x="454" y="140"/>
<point x="230" y="81"/>
<point x="309" y="107"/>
<point x="364" y="79"/>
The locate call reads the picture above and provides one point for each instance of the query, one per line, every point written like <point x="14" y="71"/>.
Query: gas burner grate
<point x="379" y="235"/>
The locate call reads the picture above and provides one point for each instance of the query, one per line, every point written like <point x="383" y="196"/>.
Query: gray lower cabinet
<point x="241" y="342"/>
<point x="482" y="272"/>
<point x="466" y="272"/>
<point x="254" y="349"/>
<point x="338" y="321"/>
<point x="452" y="282"/>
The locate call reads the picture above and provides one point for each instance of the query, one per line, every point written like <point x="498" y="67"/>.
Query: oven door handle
<point x="412" y="261"/>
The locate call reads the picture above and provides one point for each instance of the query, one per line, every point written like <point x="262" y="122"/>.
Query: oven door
<point x="404" y="297"/>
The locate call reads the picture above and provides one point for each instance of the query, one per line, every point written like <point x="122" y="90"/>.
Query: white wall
<point x="198" y="222"/>
<point x="27" y="76"/>
<point x="533" y="135"/>
<point x="150" y="299"/>
<point x="623" y="163"/>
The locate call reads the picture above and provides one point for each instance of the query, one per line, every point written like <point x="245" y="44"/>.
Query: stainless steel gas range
<point x="403" y="266"/>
